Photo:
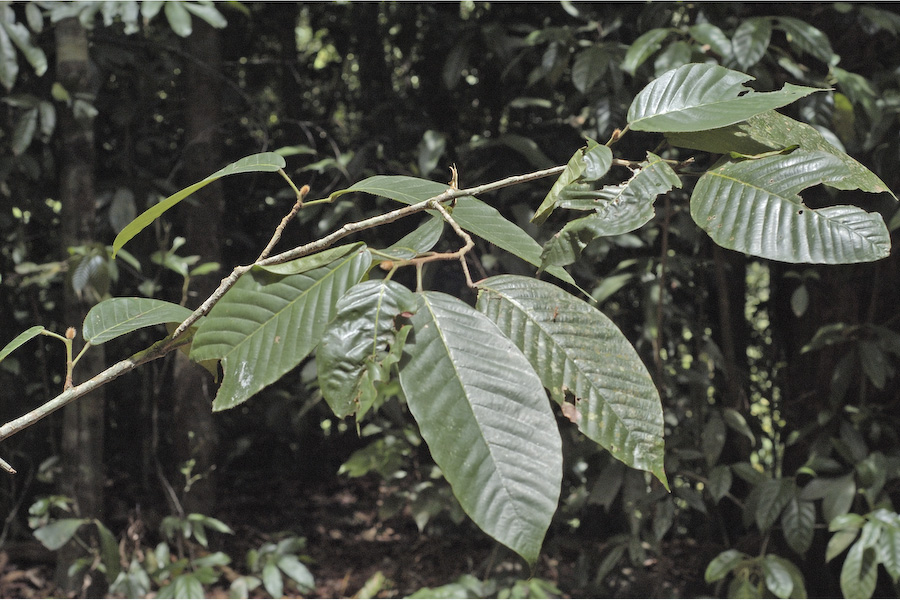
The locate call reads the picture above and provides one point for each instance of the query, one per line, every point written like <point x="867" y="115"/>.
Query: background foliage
<point x="778" y="381"/>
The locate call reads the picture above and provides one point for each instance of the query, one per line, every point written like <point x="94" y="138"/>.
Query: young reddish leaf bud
<point x="70" y="333"/>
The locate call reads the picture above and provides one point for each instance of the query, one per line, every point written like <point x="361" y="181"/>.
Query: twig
<point x="301" y="193"/>
<point x="176" y="339"/>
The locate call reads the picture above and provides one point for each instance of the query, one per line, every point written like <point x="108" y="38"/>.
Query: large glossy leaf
<point x="582" y="358"/>
<point x="752" y="206"/>
<point x="771" y="131"/>
<point x="643" y="48"/>
<point x="360" y="334"/>
<point x="798" y="523"/>
<point x="591" y="158"/>
<point x="266" y="162"/>
<point x="471" y="214"/>
<point x="267" y="323"/>
<point x="774" y="495"/>
<point x="859" y="574"/>
<point x="118" y="316"/>
<point x="619" y="209"/>
<point x="703" y="96"/>
<point x="486" y="419"/>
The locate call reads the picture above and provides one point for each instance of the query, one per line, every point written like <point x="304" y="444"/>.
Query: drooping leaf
<point x="57" y="534"/>
<point x="363" y="328"/>
<point x="696" y="97"/>
<point x="577" y="350"/>
<point x="470" y="213"/>
<point x="267" y="323"/>
<point x="798" y="523"/>
<point x="574" y="171"/>
<point x="486" y="419"/>
<point x="771" y="131"/>
<point x="179" y="18"/>
<point x="859" y="574"/>
<point x="118" y="316"/>
<point x="753" y="206"/>
<point x="778" y="579"/>
<point x="774" y="495"/>
<point x="751" y="40"/>
<point x="20" y="339"/>
<point x="267" y="162"/>
<point x="109" y="551"/>
<point x="643" y="48"/>
<point x="619" y="209"/>
<point x="19" y="35"/>
<point x="589" y="67"/>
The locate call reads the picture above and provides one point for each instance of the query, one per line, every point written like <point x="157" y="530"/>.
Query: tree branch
<point x="177" y="338"/>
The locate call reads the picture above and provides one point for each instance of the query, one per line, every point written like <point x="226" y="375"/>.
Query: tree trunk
<point x="83" y="421"/>
<point x="194" y="430"/>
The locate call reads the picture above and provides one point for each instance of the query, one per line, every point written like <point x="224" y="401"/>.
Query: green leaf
<point x="807" y="38"/>
<point x="109" y="551"/>
<point x="753" y="206"/>
<point x="297" y="571"/>
<point x="58" y="533"/>
<point x="703" y="96"/>
<point x="118" y="316"/>
<point x="267" y="323"/>
<point x="577" y="350"/>
<point x="589" y="67"/>
<point x="267" y="162"/>
<point x="839" y="542"/>
<point x="619" y="209"/>
<point x="470" y="213"/>
<point x="362" y="330"/>
<point x="23" y="133"/>
<point x="185" y="585"/>
<point x="712" y="36"/>
<point x="483" y="412"/>
<point x="772" y="130"/>
<point x="798" y="523"/>
<point x="20" y="339"/>
<point x="778" y="579"/>
<point x="422" y="239"/>
<point x="888" y="549"/>
<point x="719" y="482"/>
<point x="573" y="172"/>
<point x="20" y="36"/>
<point x="9" y="63"/>
<point x="643" y="48"/>
<point x="860" y="572"/>
<point x="751" y="40"/>
<point x="774" y="495"/>
<point x="836" y="493"/>
<point x="314" y="261"/>
<point x="723" y="564"/>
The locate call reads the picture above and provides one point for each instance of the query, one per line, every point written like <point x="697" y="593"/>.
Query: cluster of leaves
<point x="473" y="379"/>
<point x="173" y="568"/>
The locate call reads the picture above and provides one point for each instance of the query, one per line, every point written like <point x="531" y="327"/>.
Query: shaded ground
<point x="348" y="546"/>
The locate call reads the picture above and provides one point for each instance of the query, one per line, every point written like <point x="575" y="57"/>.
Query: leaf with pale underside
<point x="753" y="206"/>
<point x="587" y="164"/>
<point x="772" y="131"/>
<point x="696" y="97"/>
<point x="267" y="323"/>
<point x="577" y="350"/>
<point x="486" y="419"/>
